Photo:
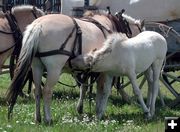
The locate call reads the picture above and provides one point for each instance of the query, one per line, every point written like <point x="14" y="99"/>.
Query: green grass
<point x="119" y="116"/>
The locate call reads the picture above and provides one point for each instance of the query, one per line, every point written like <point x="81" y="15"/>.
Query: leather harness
<point x="77" y="41"/>
<point x="77" y="45"/>
<point x="99" y="25"/>
<point x="61" y="50"/>
<point x="17" y="36"/>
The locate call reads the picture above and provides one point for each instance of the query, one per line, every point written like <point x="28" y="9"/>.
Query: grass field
<point x="119" y="116"/>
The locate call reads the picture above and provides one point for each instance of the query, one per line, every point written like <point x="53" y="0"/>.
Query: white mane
<point x="108" y="46"/>
<point x="92" y="13"/>
<point x="20" y="8"/>
<point x="131" y="20"/>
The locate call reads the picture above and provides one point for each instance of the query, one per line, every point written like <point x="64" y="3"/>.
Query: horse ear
<point x="108" y="10"/>
<point x="92" y="51"/>
<point x="89" y="60"/>
<point x="34" y="9"/>
<point x="143" y="24"/>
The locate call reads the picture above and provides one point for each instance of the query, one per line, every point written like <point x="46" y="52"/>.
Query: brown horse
<point x="12" y="24"/>
<point x="48" y="44"/>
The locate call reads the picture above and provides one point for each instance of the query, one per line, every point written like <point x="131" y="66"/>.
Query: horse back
<point x="152" y="40"/>
<point x="57" y="27"/>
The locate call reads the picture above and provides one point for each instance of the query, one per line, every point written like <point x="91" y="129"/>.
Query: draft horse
<point x="12" y="25"/>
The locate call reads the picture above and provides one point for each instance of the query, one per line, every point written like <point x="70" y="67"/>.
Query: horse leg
<point x="3" y="58"/>
<point x="103" y="92"/>
<point x="37" y="69"/>
<point x="51" y="80"/>
<point x="53" y="65"/>
<point x="161" y="98"/>
<point x="156" y="67"/>
<point x="149" y="76"/>
<point x="124" y="95"/>
<point x="83" y="90"/>
<point x="138" y="94"/>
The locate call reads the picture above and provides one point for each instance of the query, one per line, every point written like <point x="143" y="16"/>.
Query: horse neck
<point x="23" y="19"/>
<point x="100" y="54"/>
<point x="134" y="29"/>
<point x="135" y="24"/>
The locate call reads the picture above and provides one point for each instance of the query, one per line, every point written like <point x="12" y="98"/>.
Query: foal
<point x="123" y="56"/>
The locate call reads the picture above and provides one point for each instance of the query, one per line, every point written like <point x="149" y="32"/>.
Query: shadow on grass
<point x="2" y="101"/>
<point x="139" y="119"/>
<point x="74" y="94"/>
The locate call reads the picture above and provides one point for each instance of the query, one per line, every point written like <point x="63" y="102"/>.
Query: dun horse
<point x="123" y="56"/>
<point x="48" y="43"/>
<point x="11" y="27"/>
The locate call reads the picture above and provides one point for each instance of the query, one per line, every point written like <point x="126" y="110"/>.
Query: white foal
<point x="123" y="56"/>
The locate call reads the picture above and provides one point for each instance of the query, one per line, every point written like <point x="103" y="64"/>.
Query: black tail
<point x="30" y="42"/>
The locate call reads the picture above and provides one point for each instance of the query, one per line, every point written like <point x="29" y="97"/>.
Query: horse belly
<point x="143" y="60"/>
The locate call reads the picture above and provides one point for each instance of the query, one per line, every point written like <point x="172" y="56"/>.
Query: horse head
<point x="83" y="62"/>
<point x="131" y="26"/>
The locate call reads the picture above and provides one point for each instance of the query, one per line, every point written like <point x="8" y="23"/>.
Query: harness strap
<point x="1" y="31"/>
<point x="78" y="39"/>
<point x="62" y="50"/>
<point x="2" y="52"/>
<point x="123" y="24"/>
<point x="17" y="35"/>
<point x="53" y="52"/>
<point x="99" y="25"/>
<point x="33" y="12"/>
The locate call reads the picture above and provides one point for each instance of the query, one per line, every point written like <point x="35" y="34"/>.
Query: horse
<point x="11" y="27"/>
<point x="12" y="24"/>
<point x="48" y="45"/>
<point x="135" y="27"/>
<point x="124" y="56"/>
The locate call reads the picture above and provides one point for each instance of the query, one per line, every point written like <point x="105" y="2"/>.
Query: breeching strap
<point x="62" y="50"/>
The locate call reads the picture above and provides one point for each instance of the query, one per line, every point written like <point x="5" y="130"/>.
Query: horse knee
<point x="47" y="93"/>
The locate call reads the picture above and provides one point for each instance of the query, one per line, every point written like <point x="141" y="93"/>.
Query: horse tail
<point x="164" y="61"/>
<point x="163" y="66"/>
<point x="28" y="51"/>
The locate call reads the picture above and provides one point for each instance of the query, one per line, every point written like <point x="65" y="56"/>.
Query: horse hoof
<point x="99" y="116"/>
<point x="38" y="120"/>
<point x="147" y="116"/>
<point x="48" y="123"/>
<point x="23" y="95"/>
<point x="80" y="109"/>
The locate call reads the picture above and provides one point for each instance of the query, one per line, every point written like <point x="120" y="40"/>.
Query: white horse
<point x="128" y="56"/>
<point x="136" y="26"/>
<point x="48" y="43"/>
